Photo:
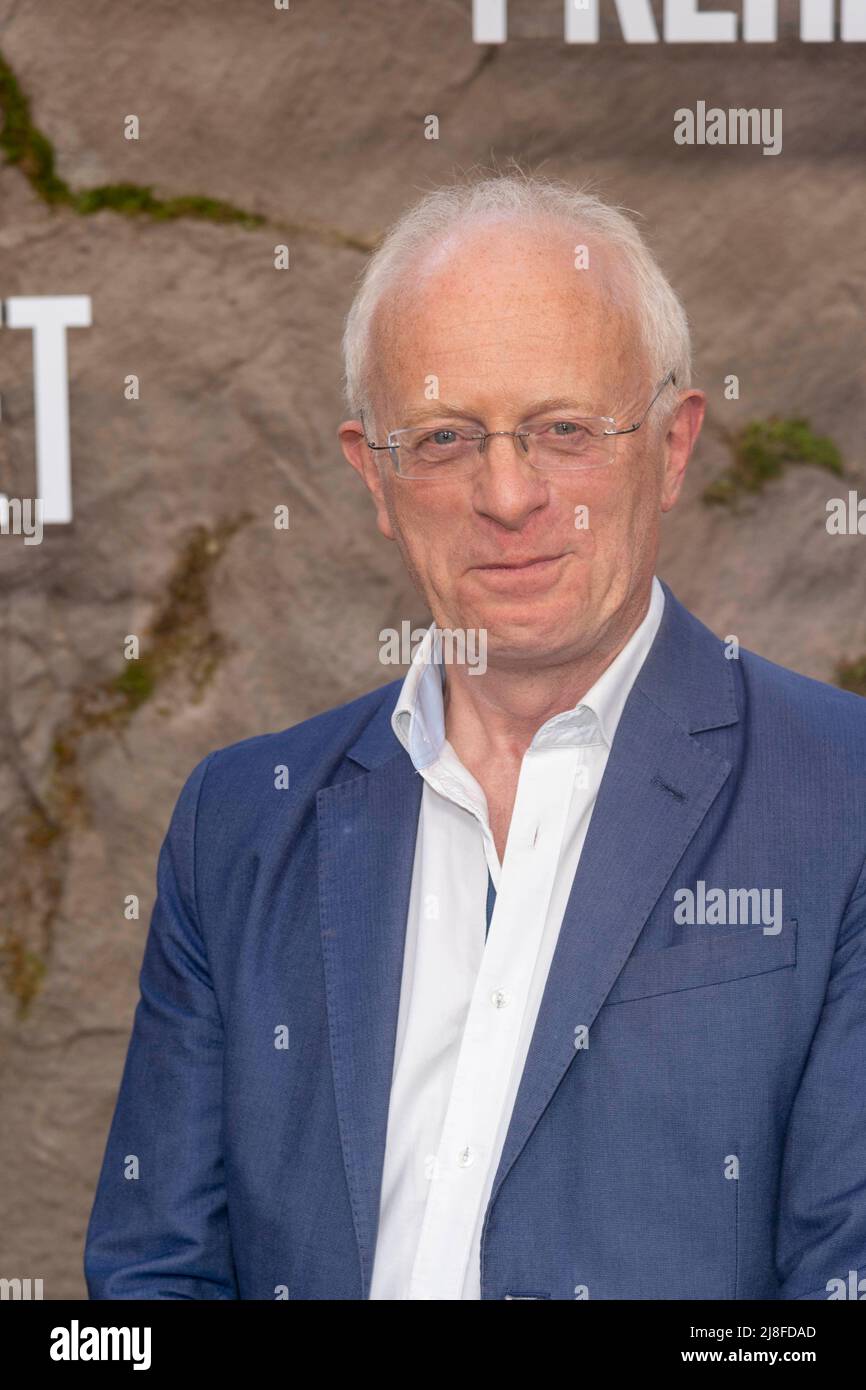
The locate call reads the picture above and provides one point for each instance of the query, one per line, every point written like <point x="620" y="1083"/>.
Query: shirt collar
<point x="418" y="719"/>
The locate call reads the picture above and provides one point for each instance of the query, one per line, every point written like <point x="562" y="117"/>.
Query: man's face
<point x="504" y="322"/>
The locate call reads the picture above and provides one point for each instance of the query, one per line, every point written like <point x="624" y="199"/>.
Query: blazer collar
<point x="687" y="674"/>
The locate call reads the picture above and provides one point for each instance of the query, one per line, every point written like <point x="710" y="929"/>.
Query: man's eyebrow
<point x="439" y="410"/>
<point x="443" y="410"/>
<point x="568" y="403"/>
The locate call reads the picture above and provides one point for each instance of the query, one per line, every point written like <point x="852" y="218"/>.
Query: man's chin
<point x="532" y="636"/>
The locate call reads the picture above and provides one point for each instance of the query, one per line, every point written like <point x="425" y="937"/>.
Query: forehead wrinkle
<point x="441" y="346"/>
<point x="583" y="305"/>
<point x="512" y="332"/>
<point x="433" y="278"/>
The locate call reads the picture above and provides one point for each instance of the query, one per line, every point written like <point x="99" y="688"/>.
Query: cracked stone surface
<point x="314" y="119"/>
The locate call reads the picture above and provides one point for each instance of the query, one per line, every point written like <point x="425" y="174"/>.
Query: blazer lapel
<point x="367" y="829"/>
<point x="658" y="785"/>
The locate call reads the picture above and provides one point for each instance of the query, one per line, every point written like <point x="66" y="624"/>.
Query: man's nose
<point x="507" y="487"/>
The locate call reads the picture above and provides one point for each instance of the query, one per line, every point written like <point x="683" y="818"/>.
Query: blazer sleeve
<point x="159" y="1224"/>
<point x="821" y="1243"/>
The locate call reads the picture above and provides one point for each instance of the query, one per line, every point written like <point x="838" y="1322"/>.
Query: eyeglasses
<point x="566" y="443"/>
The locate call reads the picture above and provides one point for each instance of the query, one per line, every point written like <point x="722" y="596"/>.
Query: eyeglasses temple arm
<point x="630" y="429"/>
<point x="369" y="442"/>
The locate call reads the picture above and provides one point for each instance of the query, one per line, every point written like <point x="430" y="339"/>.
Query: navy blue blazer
<point x="708" y="1142"/>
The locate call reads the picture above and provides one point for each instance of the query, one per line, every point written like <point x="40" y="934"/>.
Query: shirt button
<point x="499" y="999"/>
<point x="466" y="1157"/>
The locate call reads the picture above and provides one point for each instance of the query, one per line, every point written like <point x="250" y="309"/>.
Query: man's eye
<point x="441" y="438"/>
<point x="564" y="428"/>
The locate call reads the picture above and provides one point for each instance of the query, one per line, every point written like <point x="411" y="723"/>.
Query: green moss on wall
<point x="135" y="684"/>
<point x="23" y="971"/>
<point x="851" y="675"/>
<point x="181" y="641"/>
<point x="763" y="449"/>
<point x="25" y="146"/>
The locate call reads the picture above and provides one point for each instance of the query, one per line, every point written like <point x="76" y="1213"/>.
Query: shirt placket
<point x="493" y="1023"/>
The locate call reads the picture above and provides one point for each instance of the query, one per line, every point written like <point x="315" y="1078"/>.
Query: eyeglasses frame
<point x="670" y="377"/>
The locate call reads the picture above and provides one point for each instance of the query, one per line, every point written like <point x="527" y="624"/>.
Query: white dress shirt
<point x="468" y="1006"/>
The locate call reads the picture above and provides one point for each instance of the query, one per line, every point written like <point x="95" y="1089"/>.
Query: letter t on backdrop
<point x="49" y="316"/>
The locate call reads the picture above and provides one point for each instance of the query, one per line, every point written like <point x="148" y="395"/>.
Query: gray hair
<point x="527" y="198"/>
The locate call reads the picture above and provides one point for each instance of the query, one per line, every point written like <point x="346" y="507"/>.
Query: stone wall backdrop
<point x="306" y="126"/>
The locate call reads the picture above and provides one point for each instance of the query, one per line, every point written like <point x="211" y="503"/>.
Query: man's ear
<point x="682" y="433"/>
<point x="363" y="460"/>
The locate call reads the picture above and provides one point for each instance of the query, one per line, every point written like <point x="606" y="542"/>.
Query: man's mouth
<point x="509" y="566"/>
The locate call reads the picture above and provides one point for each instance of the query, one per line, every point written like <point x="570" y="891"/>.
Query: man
<point x="545" y="979"/>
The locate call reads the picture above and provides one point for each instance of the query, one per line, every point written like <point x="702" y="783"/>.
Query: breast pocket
<point x="709" y="961"/>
